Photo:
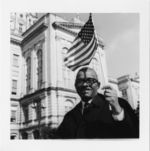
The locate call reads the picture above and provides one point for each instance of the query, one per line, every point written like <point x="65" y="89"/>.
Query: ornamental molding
<point x="15" y="41"/>
<point x="70" y="25"/>
<point x="31" y="34"/>
<point x="30" y="97"/>
<point x="38" y="45"/>
<point x="58" y="25"/>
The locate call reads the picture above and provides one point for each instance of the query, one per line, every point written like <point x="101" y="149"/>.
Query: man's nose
<point x="85" y="83"/>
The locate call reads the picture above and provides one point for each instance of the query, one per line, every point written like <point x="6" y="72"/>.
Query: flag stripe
<point x="77" y="49"/>
<point x="75" y="44"/>
<point x="81" y="60"/>
<point x="83" y="54"/>
<point x="84" y="62"/>
<point x="80" y="52"/>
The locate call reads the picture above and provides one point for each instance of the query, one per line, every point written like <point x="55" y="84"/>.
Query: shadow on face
<point x="86" y="83"/>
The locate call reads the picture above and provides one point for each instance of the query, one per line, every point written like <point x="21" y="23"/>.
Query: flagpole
<point x="90" y="15"/>
<point x="105" y="76"/>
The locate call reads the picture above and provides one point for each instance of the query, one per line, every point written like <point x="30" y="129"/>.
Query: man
<point x="97" y="115"/>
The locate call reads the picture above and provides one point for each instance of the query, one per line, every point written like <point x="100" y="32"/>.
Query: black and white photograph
<point x="75" y="78"/>
<point x="61" y="83"/>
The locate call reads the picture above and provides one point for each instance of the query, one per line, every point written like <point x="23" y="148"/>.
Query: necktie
<point x="86" y="105"/>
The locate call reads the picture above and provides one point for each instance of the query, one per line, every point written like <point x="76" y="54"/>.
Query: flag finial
<point x="90" y="15"/>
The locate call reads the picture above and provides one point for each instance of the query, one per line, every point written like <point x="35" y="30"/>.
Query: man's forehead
<point x="89" y="73"/>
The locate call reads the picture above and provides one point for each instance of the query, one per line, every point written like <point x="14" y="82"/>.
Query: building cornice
<point x="66" y="26"/>
<point x="134" y="80"/>
<point x="113" y="80"/>
<point x="16" y="39"/>
<point x="36" y="31"/>
<point x="64" y="29"/>
<point x="37" y="93"/>
<point x="35" y="25"/>
<point x="127" y="78"/>
<point x="70" y="25"/>
<point x="14" y="99"/>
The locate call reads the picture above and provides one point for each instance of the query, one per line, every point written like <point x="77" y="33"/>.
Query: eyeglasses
<point x="88" y="81"/>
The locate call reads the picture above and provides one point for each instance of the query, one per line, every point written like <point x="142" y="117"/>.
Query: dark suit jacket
<point x="97" y="122"/>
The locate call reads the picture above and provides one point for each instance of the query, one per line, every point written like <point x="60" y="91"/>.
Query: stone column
<point x="33" y="68"/>
<point x="52" y="61"/>
<point x="23" y="76"/>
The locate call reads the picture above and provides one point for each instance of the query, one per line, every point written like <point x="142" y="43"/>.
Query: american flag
<point x="83" y="48"/>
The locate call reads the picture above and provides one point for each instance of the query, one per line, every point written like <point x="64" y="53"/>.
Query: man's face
<point x="87" y="84"/>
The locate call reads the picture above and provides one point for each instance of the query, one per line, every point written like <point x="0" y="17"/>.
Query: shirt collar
<point x="83" y="103"/>
<point x="98" y="100"/>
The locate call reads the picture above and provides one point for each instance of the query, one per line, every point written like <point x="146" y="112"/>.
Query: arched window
<point x="39" y="68"/>
<point x="38" y="109"/>
<point x="13" y="116"/>
<point x="68" y="105"/>
<point x="28" y="74"/>
<point x="26" y="113"/>
<point x="36" y="134"/>
<point x="13" y="136"/>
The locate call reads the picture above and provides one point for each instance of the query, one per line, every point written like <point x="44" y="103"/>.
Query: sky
<point x="120" y="33"/>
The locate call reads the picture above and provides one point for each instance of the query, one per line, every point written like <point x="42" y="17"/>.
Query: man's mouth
<point x="86" y="90"/>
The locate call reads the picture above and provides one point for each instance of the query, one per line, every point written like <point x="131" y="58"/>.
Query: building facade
<point x="45" y="86"/>
<point x="19" y="22"/>
<point x="130" y="89"/>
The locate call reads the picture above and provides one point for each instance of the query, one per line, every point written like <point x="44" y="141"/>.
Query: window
<point x="39" y="68"/>
<point x="20" y="27"/>
<point x="38" y="109"/>
<point x="36" y="134"/>
<point x="24" y="135"/>
<point x="13" y="117"/>
<point x="13" y="137"/>
<point x="28" y="74"/>
<point x="15" y="60"/>
<point x="124" y="93"/>
<point x="68" y="105"/>
<point x="26" y="113"/>
<point x="14" y="87"/>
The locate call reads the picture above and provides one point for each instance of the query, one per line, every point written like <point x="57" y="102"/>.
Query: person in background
<point x="97" y="115"/>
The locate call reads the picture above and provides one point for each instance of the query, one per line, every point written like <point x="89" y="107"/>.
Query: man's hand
<point x="111" y="96"/>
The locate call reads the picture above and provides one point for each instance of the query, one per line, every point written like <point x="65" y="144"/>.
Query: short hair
<point x="84" y="69"/>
